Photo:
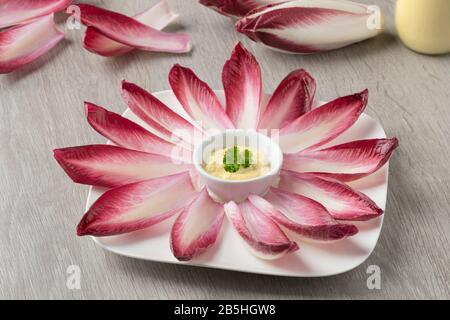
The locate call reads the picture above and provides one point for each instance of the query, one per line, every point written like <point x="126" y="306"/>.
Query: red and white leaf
<point x="346" y="162"/>
<point x="241" y="77"/>
<point x="263" y="236"/>
<point x="323" y="124"/>
<point x="197" y="227"/>
<point x="125" y="133"/>
<point x="137" y="206"/>
<point x="14" y="12"/>
<point x="131" y="32"/>
<point x="111" y="166"/>
<point x="293" y="98"/>
<point x="308" y="26"/>
<point x="235" y="8"/>
<point x="197" y="98"/>
<point x="303" y="216"/>
<point x="158" y="16"/>
<point x="341" y="201"/>
<point x="167" y="123"/>
<point x="23" y="44"/>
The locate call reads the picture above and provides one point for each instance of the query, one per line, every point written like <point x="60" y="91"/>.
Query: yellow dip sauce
<point x="258" y="166"/>
<point x="424" y="25"/>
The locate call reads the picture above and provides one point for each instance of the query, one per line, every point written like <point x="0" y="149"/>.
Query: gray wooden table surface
<point x="41" y="107"/>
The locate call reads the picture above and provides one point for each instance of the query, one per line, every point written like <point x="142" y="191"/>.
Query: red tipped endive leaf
<point x="346" y="162"/>
<point x="197" y="98"/>
<point x="241" y="77"/>
<point x="341" y="201"/>
<point x="131" y="32"/>
<point x="235" y="8"/>
<point x="23" y="44"/>
<point x="136" y="206"/>
<point x="323" y="124"/>
<point x="293" y="98"/>
<point x="169" y="124"/>
<point x="263" y="236"/>
<point x="125" y="133"/>
<point x="158" y="17"/>
<point x="308" y="26"/>
<point x="197" y="227"/>
<point x="111" y="166"/>
<point x="13" y="12"/>
<point x="303" y="216"/>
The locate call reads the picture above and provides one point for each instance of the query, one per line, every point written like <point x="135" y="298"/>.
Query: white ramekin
<point x="238" y="190"/>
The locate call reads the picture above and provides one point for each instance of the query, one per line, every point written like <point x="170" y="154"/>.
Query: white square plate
<point x="229" y="252"/>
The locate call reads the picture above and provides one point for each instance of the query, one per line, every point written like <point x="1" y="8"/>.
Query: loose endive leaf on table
<point x="158" y="16"/>
<point x="235" y="8"/>
<point x="131" y="32"/>
<point x="309" y="26"/>
<point x="23" y="44"/>
<point x="14" y="12"/>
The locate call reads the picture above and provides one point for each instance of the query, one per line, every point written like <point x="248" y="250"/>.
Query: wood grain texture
<point x="41" y="108"/>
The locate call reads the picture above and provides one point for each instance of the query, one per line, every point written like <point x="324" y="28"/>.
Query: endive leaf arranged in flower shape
<point x="13" y="12"/>
<point x="137" y="206"/>
<point x="151" y="183"/>
<point x="303" y="216"/>
<point x="197" y="227"/>
<point x="241" y="77"/>
<point x="197" y="98"/>
<point x="158" y="16"/>
<point x="346" y="162"/>
<point x="293" y="97"/>
<point x="169" y="124"/>
<point x="126" y="133"/>
<point x="323" y="124"/>
<point x="23" y="44"/>
<point x="235" y="8"/>
<point x="263" y="236"/>
<point x="341" y="201"/>
<point x="308" y="26"/>
<point x="131" y="32"/>
<point x="111" y="166"/>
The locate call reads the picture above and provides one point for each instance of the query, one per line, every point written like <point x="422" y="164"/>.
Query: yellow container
<point x="424" y="25"/>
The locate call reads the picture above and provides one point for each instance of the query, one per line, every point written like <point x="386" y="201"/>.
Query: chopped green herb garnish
<point x="232" y="159"/>
<point x="231" y="156"/>
<point x="231" y="168"/>
<point x="248" y="158"/>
